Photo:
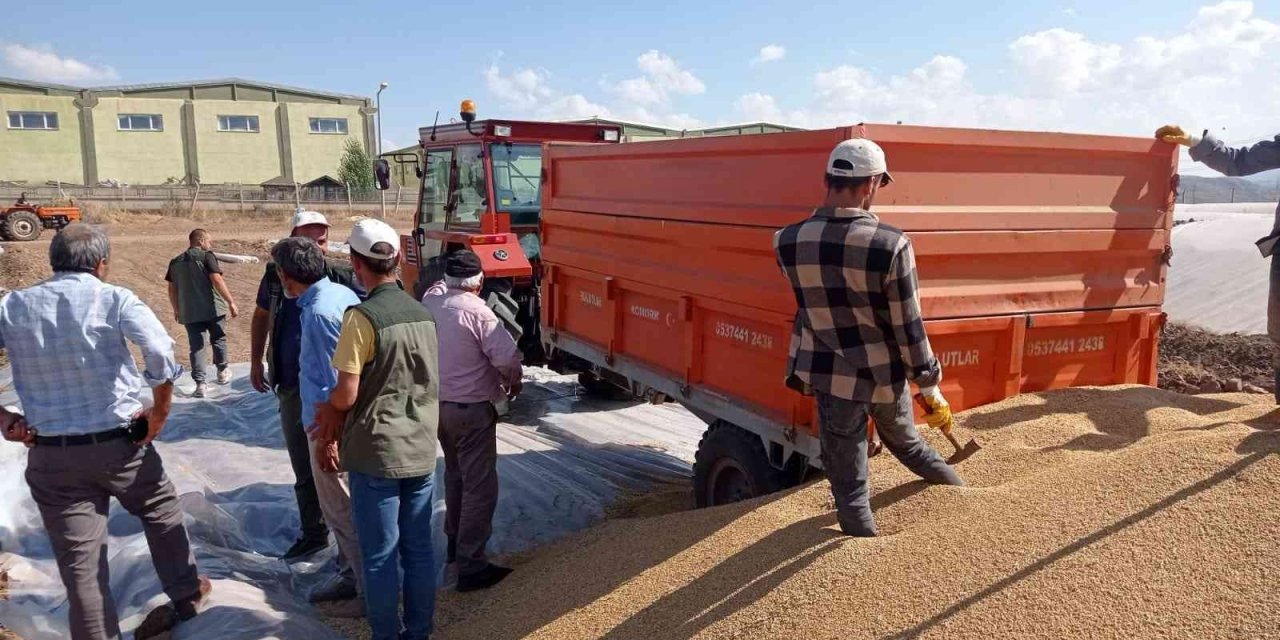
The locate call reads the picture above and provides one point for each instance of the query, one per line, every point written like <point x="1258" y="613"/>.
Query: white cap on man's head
<point x="858" y="158"/>
<point x="307" y="218"/>
<point x="369" y="232"/>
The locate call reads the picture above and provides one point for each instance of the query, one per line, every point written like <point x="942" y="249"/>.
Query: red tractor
<point x="482" y="189"/>
<point x="25" y="221"/>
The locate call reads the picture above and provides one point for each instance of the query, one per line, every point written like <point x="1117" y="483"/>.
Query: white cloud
<point x="1219" y="70"/>
<point x="770" y="53"/>
<point x="648" y="97"/>
<point x="42" y="63"/>
<point x="523" y="88"/>
<point x="662" y="77"/>
<point x="1060" y="61"/>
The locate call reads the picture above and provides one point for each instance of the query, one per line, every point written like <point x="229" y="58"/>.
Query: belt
<point x="88" y="438"/>
<point x="465" y="405"/>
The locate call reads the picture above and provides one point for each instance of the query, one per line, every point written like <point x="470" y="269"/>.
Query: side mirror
<point x="382" y="173"/>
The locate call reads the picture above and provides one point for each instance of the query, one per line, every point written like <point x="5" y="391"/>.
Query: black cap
<point x="462" y="263"/>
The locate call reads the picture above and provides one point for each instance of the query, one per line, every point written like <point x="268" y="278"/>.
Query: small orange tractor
<point x="25" y="221"/>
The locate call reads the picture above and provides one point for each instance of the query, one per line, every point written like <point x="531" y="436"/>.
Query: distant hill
<point x="1262" y="187"/>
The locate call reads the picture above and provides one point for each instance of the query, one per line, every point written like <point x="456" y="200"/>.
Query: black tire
<point x="731" y="465"/>
<point x="22" y="226"/>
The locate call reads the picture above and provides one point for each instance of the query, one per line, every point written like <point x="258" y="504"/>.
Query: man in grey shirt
<point x="1243" y="161"/>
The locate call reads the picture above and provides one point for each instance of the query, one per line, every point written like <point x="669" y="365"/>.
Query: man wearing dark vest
<point x="201" y="302"/>
<point x="277" y="332"/>
<point x="383" y="413"/>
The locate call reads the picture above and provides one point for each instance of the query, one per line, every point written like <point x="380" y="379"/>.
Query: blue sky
<point x="1109" y="67"/>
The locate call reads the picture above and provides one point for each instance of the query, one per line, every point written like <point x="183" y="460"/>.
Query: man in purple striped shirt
<point x="479" y="363"/>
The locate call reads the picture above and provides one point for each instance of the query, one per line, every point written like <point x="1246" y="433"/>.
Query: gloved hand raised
<point x="1174" y="134"/>
<point x="937" y="410"/>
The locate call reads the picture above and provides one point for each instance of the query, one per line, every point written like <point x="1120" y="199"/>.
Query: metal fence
<point x="226" y="193"/>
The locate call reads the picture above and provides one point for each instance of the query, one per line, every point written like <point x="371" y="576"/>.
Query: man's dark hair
<point x="299" y="258"/>
<point x="197" y="236"/>
<point x="842" y="183"/>
<point x="380" y="266"/>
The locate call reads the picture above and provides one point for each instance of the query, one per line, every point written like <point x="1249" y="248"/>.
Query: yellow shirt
<point x="355" y="343"/>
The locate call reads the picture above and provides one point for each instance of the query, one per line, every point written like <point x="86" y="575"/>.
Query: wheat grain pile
<point x="1124" y="512"/>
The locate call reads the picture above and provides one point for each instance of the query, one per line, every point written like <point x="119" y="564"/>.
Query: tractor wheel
<point x="22" y="226"/>
<point x="731" y="465"/>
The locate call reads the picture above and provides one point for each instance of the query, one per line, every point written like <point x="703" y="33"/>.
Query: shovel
<point x="961" y="453"/>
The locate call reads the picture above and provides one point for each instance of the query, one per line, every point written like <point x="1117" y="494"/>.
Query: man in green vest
<point x="383" y="413"/>
<point x="201" y="301"/>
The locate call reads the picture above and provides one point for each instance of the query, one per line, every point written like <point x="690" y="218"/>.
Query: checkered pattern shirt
<point x="67" y="340"/>
<point x="858" y="333"/>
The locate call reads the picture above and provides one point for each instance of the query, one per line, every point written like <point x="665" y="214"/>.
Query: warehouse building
<point x="210" y="132"/>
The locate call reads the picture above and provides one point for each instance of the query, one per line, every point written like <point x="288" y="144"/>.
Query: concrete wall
<point x="317" y="154"/>
<point x="236" y="156"/>
<point x="138" y="157"/>
<point x="40" y="155"/>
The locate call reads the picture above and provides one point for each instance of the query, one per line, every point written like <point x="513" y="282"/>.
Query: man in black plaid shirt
<point x="858" y="338"/>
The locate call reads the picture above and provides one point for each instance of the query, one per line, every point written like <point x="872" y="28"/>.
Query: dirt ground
<point x="142" y="245"/>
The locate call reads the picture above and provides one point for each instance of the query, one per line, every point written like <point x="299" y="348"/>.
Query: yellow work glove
<point x="1173" y="134"/>
<point x="938" y="415"/>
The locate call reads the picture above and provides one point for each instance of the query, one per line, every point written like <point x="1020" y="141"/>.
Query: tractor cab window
<point x="470" y="189"/>
<point x="517" y="180"/>
<point x="435" y="186"/>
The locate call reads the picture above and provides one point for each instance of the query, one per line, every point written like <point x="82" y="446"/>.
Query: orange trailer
<point x="1042" y="260"/>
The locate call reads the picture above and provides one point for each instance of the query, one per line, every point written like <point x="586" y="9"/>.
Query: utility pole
<point x="382" y="195"/>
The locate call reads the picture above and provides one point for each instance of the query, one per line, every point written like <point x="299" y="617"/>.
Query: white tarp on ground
<point x="563" y="460"/>
<point x="1218" y="279"/>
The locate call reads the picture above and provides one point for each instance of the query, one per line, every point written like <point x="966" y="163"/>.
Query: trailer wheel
<point x="731" y="465"/>
<point x="22" y="226"/>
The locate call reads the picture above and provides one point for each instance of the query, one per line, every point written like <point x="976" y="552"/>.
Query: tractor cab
<point x="482" y="189"/>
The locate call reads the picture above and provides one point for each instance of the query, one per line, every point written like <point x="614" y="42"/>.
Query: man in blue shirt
<point x="321" y="303"/>
<point x="276" y="334"/>
<point x="68" y="343"/>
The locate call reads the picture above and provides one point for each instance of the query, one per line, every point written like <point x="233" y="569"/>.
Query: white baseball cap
<point x="858" y="158"/>
<point x="303" y="218"/>
<point x="369" y="232"/>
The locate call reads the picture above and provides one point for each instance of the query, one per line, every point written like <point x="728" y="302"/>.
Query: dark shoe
<point x="333" y="590"/>
<point x="482" y="579"/>
<point x="304" y="547"/>
<point x="165" y="617"/>
<point x="349" y="609"/>
<point x="858" y="533"/>
<point x="451" y="555"/>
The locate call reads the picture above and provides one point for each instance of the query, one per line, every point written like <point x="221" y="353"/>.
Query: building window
<point x="141" y="122"/>
<point x="329" y="125"/>
<point x="238" y="123"/>
<point x="32" y="120"/>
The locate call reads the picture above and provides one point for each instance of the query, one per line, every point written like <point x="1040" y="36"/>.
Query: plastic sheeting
<point x="1218" y="279"/>
<point x="563" y="460"/>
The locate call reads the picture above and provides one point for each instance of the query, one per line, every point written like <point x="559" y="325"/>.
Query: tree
<point x="355" y="169"/>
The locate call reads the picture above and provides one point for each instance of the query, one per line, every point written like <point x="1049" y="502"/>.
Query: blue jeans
<point x="844" y="454"/>
<point x="393" y="524"/>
